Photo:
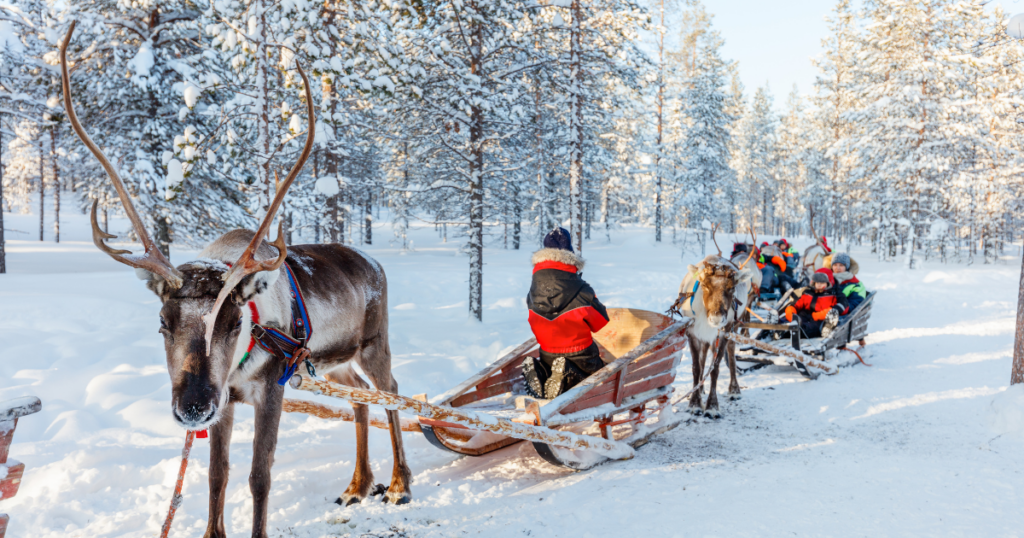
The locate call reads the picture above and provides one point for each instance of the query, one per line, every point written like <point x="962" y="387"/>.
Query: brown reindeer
<point x="237" y="278"/>
<point x="716" y="294"/>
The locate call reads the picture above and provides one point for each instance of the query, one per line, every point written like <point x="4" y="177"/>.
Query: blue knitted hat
<point x="558" y="238"/>
<point x="842" y="258"/>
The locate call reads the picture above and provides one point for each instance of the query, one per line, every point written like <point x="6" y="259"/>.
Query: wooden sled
<point x="641" y="350"/>
<point x="605" y="417"/>
<point x="781" y="344"/>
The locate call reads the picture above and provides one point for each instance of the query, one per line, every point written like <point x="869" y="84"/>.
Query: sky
<point x="774" y="40"/>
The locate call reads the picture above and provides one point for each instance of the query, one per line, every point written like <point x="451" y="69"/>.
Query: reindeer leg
<point x="375" y="360"/>
<point x="711" y="409"/>
<point x="268" y="420"/>
<point x="362" y="477"/>
<point x="697" y="349"/>
<point x="220" y="442"/>
<point x="734" y="384"/>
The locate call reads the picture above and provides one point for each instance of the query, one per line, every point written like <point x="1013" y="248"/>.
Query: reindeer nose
<point x="194" y="413"/>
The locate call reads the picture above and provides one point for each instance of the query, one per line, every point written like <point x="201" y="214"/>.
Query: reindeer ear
<point x="691" y="269"/>
<point x="154" y="282"/>
<point x="253" y="285"/>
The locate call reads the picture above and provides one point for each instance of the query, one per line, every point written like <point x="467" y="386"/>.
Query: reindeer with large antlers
<point x="242" y="292"/>
<point x="716" y="293"/>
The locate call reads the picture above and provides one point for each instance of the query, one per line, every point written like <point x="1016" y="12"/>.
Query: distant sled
<point x="780" y="343"/>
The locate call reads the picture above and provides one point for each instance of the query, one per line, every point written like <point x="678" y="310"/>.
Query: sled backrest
<point x="626" y="328"/>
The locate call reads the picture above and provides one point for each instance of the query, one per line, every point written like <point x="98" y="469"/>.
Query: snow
<point x="328" y="186"/>
<point x="191" y="94"/>
<point x="9" y="41"/>
<point x="925" y="442"/>
<point x="1015" y="28"/>
<point x="141" y="64"/>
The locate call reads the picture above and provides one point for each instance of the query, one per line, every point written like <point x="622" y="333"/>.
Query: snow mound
<point x="1006" y="412"/>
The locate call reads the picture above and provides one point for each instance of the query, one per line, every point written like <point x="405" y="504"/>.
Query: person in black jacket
<point x="564" y="311"/>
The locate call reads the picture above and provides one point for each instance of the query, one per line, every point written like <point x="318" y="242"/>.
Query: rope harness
<point x="290" y="349"/>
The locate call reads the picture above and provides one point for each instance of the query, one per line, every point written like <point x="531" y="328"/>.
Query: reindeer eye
<point x="238" y="325"/>
<point x="163" y="324"/>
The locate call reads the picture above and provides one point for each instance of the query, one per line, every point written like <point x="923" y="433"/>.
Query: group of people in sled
<point x="565" y="310"/>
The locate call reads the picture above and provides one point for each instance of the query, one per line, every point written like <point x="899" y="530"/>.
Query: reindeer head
<point x="200" y="328"/>
<point x="718" y="284"/>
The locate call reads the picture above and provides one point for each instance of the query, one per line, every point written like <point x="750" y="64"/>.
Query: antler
<point x="247" y="264"/>
<point x="713" y="230"/>
<point x="817" y="238"/>
<point x="753" y="247"/>
<point x="153" y="260"/>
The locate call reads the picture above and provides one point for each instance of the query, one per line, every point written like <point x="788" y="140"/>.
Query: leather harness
<point x="291" y="349"/>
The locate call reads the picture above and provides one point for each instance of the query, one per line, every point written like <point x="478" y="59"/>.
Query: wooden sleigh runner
<point x="781" y="344"/>
<point x="605" y="417"/>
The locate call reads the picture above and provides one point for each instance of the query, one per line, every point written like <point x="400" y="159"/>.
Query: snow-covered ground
<point x="908" y="447"/>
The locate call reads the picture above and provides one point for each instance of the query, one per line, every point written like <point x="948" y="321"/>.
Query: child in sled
<point x="819" y="307"/>
<point x="564" y="311"/>
<point x="845" y="271"/>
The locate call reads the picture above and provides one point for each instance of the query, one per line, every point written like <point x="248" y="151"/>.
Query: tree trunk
<point x="576" y="130"/>
<point x="658" y="151"/>
<point x="42" y="188"/>
<point x="56" y="185"/>
<point x="1017" y="375"/>
<point x="263" y="101"/>
<point x="369" y="216"/>
<point x="163" y="235"/>
<point x="476" y="187"/>
<point x="3" y="251"/>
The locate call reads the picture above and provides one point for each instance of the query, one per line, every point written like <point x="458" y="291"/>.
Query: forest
<point x="496" y="120"/>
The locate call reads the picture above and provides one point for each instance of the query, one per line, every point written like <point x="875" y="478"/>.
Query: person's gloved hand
<point x="838" y="310"/>
<point x="781" y="263"/>
<point x="819" y="316"/>
<point x="790" y="312"/>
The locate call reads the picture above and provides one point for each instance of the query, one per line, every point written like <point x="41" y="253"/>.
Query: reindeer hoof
<point x="713" y="413"/>
<point x="695" y="410"/>
<point x="397" y="497"/>
<point x="349" y="498"/>
<point x="735" y="396"/>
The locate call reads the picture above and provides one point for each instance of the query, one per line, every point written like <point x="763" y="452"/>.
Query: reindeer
<point x="716" y="294"/>
<point x="244" y="287"/>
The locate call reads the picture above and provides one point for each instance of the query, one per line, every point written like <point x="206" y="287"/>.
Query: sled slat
<point x="506" y="374"/>
<point x="632" y="388"/>
<point x="627" y="403"/>
<point x="9" y="484"/>
<point x="6" y="436"/>
<point x="482" y="394"/>
<point x="3" y="524"/>
<point x="643" y="386"/>
<point x="518" y="352"/>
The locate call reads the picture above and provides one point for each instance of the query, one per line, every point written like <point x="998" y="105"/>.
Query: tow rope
<point x="176" y="499"/>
